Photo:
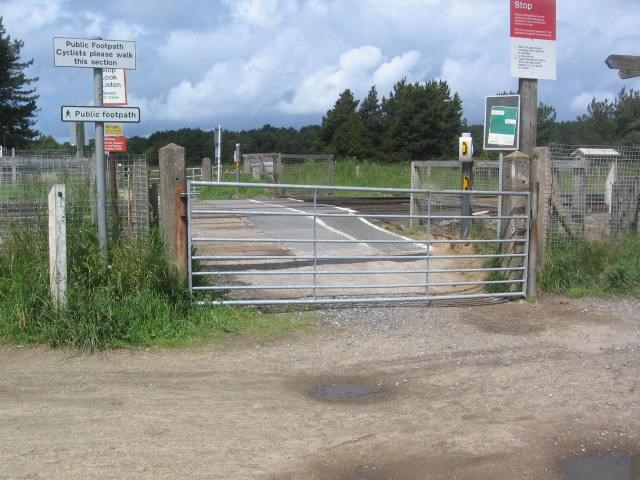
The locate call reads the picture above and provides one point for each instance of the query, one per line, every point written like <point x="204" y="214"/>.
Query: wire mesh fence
<point x="25" y="182"/>
<point x="447" y="175"/>
<point x="283" y="168"/>
<point x="595" y="192"/>
<point x="131" y="198"/>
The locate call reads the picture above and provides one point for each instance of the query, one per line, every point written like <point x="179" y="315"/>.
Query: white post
<point x="57" y="246"/>
<point x="219" y="153"/>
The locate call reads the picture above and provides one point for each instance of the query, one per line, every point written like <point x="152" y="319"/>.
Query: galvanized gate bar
<point x="215" y="260"/>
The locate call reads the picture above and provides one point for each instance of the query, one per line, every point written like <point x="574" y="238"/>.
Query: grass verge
<point x="581" y="267"/>
<point x="132" y="300"/>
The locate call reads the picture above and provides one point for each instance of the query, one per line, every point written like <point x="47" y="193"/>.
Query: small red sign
<point x="115" y="144"/>
<point x="535" y="19"/>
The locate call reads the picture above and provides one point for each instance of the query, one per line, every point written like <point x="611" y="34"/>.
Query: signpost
<point x="80" y="113"/>
<point x="533" y="39"/>
<point x="98" y="54"/>
<point x="114" y="129"/>
<point x="502" y="122"/>
<point x="116" y="144"/>
<point x="94" y="53"/>
<point x="114" y="86"/>
<point x="501" y="130"/>
<point x="628" y="65"/>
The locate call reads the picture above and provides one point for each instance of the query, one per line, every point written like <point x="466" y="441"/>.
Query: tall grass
<point x="583" y="267"/>
<point x="133" y="299"/>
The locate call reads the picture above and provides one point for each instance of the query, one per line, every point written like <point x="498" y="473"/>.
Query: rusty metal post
<point x="181" y="255"/>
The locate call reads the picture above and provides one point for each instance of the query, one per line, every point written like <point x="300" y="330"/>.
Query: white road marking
<point x="310" y="217"/>
<point x="367" y="222"/>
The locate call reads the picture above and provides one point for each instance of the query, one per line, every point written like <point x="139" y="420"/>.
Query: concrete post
<point x="79" y="126"/>
<point x="57" y="246"/>
<point x="173" y="182"/>
<point x="207" y="172"/>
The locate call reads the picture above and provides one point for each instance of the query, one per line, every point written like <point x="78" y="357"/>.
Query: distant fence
<point x="447" y="175"/>
<point x="317" y="169"/>
<point x="594" y="192"/>
<point x="25" y="181"/>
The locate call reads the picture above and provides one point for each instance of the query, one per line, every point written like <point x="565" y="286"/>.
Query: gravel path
<point x="486" y="392"/>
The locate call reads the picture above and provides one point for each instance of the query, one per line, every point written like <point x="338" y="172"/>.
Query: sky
<point x="245" y="63"/>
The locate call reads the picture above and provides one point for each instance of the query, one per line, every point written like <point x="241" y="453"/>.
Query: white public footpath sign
<point x="82" y="52"/>
<point x="70" y="113"/>
<point x="533" y="39"/>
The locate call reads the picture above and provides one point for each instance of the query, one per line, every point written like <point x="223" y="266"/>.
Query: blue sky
<point x="244" y="63"/>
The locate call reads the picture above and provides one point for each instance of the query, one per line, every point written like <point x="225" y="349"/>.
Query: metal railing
<point x="304" y="250"/>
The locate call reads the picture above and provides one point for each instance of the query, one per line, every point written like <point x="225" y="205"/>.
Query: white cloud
<point x="23" y="17"/>
<point x="390" y="72"/>
<point x="262" y="13"/>
<point x="580" y="102"/>
<point x="357" y="69"/>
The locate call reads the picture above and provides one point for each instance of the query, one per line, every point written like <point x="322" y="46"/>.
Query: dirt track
<point x="497" y="392"/>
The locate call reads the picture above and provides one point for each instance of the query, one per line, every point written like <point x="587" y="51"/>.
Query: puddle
<point x="349" y="391"/>
<point x="605" y="467"/>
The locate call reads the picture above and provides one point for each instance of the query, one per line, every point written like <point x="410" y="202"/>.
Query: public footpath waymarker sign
<point x="533" y="39"/>
<point x="502" y="123"/>
<point x="70" y="113"/>
<point x="82" y="52"/>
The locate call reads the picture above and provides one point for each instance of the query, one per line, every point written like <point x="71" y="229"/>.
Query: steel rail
<point x="361" y="272"/>
<point x="310" y="240"/>
<point x="354" y="257"/>
<point x="360" y="300"/>
<point x="288" y="186"/>
<point x="352" y="287"/>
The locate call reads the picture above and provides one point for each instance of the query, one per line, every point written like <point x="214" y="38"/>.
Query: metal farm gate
<point x="261" y="249"/>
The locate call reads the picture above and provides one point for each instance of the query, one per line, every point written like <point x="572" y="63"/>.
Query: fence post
<point x="237" y="156"/>
<point x="172" y="188"/>
<point x="413" y="207"/>
<point x="540" y="201"/>
<point x="515" y="179"/>
<point x="207" y="172"/>
<point x="332" y="174"/>
<point x="57" y="246"/>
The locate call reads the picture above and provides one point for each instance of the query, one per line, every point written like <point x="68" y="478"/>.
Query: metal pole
<point x="219" y="153"/>
<point x="315" y="243"/>
<point x="500" y="189"/>
<point x="427" y="275"/>
<point x="467" y="181"/>
<point x="189" y="241"/>
<point x="101" y="184"/>
<point x="237" y="164"/>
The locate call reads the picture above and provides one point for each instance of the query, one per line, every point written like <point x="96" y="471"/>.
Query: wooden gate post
<point x="173" y="186"/>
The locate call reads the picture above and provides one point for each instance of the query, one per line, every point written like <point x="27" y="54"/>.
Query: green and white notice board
<point x="502" y="122"/>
